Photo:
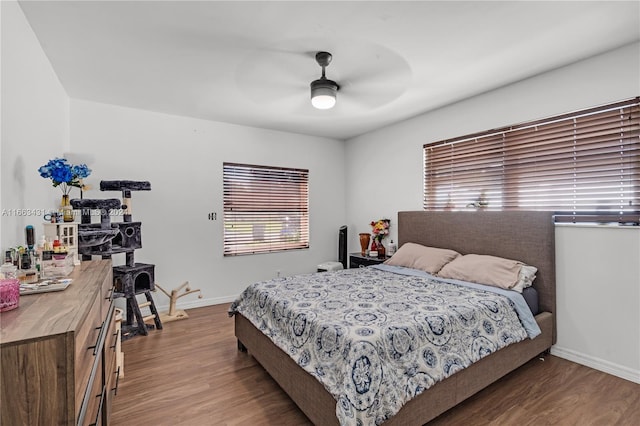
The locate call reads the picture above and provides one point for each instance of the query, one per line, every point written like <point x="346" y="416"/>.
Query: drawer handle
<point x="116" y="343"/>
<point x="97" y="340"/>
<point x="110" y="294"/>
<point x="115" y="390"/>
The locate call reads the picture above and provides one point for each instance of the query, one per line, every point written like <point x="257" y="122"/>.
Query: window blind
<point x="266" y="209"/>
<point x="585" y="166"/>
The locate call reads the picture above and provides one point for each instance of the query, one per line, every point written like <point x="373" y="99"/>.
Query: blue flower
<point x="81" y="171"/>
<point x="63" y="174"/>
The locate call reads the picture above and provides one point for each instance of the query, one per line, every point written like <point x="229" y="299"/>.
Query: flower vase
<point x="364" y="243"/>
<point x="382" y="252"/>
<point x="67" y="211"/>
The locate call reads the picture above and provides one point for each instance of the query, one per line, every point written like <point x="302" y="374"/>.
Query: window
<point x="585" y="166"/>
<point x="266" y="209"/>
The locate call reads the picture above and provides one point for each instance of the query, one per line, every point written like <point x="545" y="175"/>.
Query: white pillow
<point x="525" y="277"/>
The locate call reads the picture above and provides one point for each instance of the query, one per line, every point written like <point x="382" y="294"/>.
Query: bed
<point x="525" y="236"/>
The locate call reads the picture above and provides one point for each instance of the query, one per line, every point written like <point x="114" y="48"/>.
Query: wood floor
<point x="191" y="373"/>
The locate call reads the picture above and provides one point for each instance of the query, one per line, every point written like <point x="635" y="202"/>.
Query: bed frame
<point x="525" y="236"/>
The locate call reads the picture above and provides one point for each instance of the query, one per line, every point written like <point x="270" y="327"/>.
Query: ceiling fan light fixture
<point x="323" y="90"/>
<point x="323" y="93"/>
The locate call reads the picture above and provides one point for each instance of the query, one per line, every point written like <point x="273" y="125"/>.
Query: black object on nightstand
<point x="357" y="260"/>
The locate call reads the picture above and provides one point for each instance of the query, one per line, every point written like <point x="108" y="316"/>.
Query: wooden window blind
<point x="266" y="209"/>
<point x="585" y="166"/>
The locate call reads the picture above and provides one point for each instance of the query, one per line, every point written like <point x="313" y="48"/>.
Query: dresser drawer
<point x="95" y="399"/>
<point x="107" y="289"/>
<point x="92" y="414"/>
<point x="110" y="371"/>
<point x="356" y="260"/>
<point x="86" y="348"/>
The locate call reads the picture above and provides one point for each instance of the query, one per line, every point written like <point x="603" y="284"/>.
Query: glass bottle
<point x="373" y="252"/>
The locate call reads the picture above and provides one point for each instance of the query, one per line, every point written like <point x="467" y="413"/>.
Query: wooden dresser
<point x="57" y="353"/>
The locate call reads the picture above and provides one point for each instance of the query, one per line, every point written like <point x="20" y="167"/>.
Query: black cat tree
<point x="106" y="239"/>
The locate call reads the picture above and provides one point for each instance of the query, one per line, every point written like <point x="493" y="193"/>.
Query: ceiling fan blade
<point x="375" y="91"/>
<point x="273" y="74"/>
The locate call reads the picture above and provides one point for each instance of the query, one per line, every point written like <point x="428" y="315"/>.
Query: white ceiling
<point x="251" y="63"/>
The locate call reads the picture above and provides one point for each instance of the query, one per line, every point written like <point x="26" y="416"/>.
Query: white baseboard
<point x="597" y="363"/>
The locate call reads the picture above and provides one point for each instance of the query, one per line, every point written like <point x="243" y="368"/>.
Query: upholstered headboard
<point x="527" y="236"/>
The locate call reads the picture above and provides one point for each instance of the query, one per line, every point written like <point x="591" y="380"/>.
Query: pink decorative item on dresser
<point x="9" y="294"/>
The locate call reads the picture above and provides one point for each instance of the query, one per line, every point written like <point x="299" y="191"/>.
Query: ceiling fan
<point x="323" y="90"/>
<point x="367" y="77"/>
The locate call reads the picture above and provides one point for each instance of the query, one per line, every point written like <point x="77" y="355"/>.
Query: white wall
<point x="182" y="159"/>
<point x="35" y="126"/>
<point x="598" y="276"/>
<point x="606" y="78"/>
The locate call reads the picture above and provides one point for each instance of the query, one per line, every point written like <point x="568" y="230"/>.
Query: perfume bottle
<point x="30" y="234"/>
<point x="25" y="261"/>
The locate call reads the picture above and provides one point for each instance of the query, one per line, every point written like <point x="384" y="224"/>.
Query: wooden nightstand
<point x="357" y="260"/>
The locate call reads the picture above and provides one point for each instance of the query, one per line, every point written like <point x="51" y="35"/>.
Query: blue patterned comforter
<point x="375" y="338"/>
